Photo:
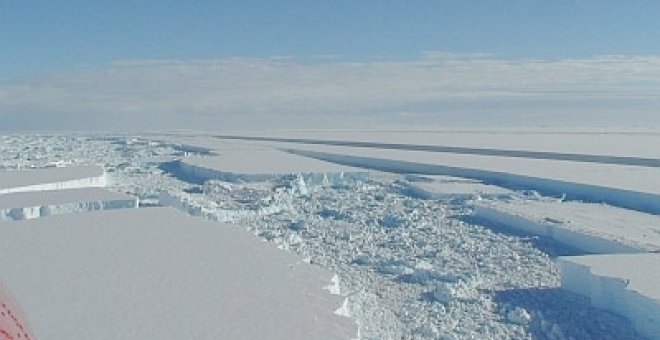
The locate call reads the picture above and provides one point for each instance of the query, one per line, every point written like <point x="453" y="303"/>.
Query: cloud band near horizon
<point x="436" y="90"/>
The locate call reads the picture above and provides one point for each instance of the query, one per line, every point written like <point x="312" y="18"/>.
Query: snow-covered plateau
<point x="410" y="244"/>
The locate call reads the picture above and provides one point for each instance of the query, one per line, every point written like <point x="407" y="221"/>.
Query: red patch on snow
<point x="13" y="325"/>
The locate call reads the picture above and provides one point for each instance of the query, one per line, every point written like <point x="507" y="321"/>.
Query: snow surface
<point x="35" y="204"/>
<point x="594" y="228"/>
<point x="586" y="158"/>
<point x="411" y="266"/>
<point x="249" y="162"/>
<point x="605" y="143"/>
<point x="439" y="187"/>
<point x="627" y="284"/>
<point x="158" y="274"/>
<point x="52" y="178"/>
<point x="261" y="161"/>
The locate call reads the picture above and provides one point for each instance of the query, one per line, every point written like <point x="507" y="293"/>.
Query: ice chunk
<point x="625" y="284"/>
<point x="27" y="205"/>
<point x="443" y="293"/>
<point x="519" y="316"/>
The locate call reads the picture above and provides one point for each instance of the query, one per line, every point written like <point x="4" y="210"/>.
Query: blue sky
<point x="38" y="36"/>
<point x="51" y="47"/>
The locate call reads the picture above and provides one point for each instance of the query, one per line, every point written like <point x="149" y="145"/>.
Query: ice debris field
<point x="330" y="235"/>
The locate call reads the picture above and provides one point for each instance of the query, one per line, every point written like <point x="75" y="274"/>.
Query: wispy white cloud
<point x="240" y="92"/>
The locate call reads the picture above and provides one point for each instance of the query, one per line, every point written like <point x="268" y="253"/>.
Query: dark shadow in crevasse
<point x="554" y="311"/>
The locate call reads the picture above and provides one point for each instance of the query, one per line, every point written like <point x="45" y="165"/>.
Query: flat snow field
<point x="610" y="143"/>
<point x="53" y="178"/>
<point x="155" y="273"/>
<point x="260" y="161"/>
<point x="439" y="187"/>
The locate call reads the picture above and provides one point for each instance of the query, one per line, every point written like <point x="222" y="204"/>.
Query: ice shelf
<point x="441" y="187"/>
<point x="611" y="143"/>
<point x="626" y="284"/>
<point x="593" y="228"/>
<point x="35" y="204"/>
<point x="260" y="164"/>
<point x="155" y="273"/>
<point x="54" y="178"/>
